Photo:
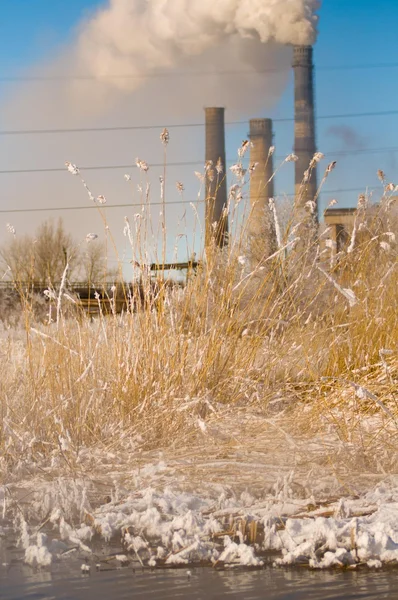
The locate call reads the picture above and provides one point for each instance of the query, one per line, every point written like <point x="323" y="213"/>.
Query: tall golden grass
<point x="309" y="324"/>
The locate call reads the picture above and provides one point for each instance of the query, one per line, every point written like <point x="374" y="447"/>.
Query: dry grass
<point x="289" y="336"/>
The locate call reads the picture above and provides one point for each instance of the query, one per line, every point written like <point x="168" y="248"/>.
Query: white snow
<point x="203" y="503"/>
<point x="179" y="528"/>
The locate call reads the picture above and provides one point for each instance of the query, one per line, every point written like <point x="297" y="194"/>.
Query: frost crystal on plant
<point x="72" y="168"/>
<point x="50" y="294"/>
<point x="202" y="425"/>
<point x="101" y="199"/>
<point x="90" y="237"/>
<point x="142" y="165"/>
<point x="252" y="167"/>
<point x="127" y="177"/>
<point x="271" y="150"/>
<point x="219" y="167"/>
<point x="311" y="206"/>
<point x="11" y="229"/>
<point x="208" y="164"/>
<point x="234" y="189"/>
<point x="180" y="186"/>
<point x="362" y="202"/>
<point x="242" y="150"/>
<point x="126" y="229"/>
<point x="291" y="158"/>
<point x="165" y="136"/>
<point x="200" y="176"/>
<point x="238" y="171"/>
<point x="385" y="246"/>
<point x="318" y="156"/>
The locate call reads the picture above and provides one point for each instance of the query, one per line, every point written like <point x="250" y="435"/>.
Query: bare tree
<point x="41" y="258"/>
<point x="93" y="264"/>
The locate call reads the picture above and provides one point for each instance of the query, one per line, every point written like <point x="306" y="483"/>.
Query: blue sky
<point x="31" y="29"/>
<point x="351" y="33"/>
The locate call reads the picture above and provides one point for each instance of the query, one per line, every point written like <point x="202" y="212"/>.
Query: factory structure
<point x="260" y="226"/>
<point x="304" y="123"/>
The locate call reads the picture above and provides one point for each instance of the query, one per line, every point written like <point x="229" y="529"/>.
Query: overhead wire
<point x="192" y="163"/>
<point x="150" y="204"/>
<point x="182" y="125"/>
<point x="94" y="206"/>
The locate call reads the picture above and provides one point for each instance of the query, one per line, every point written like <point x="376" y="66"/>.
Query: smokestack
<point x="304" y="128"/>
<point x="261" y="226"/>
<point x="216" y="184"/>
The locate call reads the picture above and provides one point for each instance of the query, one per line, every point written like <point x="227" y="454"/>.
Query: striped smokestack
<point x="304" y="129"/>
<point x="261" y="226"/>
<point x="216" y="184"/>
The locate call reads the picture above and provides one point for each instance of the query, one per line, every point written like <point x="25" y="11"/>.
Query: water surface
<point x="64" y="580"/>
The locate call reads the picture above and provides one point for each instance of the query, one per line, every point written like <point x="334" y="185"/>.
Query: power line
<point x="331" y="153"/>
<point x="381" y="113"/>
<point x="150" y="204"/>
<point x="355" y="152"/>
<point x="346" y="190"/>
<point x="92" y="207"/>
<point x="174" y="74"/>
<point x="93" y="129"/>
<point x="359" y="67"/>
<point x="184" y="125"/>
<point x="97" y="168"/>
<point x="341" y="191"/>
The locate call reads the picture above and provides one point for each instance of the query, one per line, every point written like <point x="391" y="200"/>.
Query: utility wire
<point x="149" y="205"/>
<point x="98" y="167"/>
<point x="184" y="125"/>
<point x="49" y="78"/>
<point x="331" y="153"/>
<point x="93" y="206"/>
<point x="92" y="129"/>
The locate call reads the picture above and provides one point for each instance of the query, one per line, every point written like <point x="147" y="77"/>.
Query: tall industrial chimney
<point x="304" y="129"/>
<point x="261" y="224"/>
<point x="216" y="183"/>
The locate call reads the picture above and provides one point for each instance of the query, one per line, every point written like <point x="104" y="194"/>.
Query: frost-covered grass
<point x="166" y="528"/>
<point x="261" y="369"/>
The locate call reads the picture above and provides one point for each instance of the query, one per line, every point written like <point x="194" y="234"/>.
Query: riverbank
<point x="246" y="489"/>
<point x="252" y="412"/>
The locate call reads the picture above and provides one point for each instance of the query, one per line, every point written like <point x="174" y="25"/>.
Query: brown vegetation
<point x="296" y="328"/>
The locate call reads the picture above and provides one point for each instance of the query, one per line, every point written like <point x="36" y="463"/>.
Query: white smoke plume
<point x="135" y="37"/>
<point x="144" y="62"/>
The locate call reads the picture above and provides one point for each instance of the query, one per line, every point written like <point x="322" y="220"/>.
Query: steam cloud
<point x="194" y="44"/>
<point x="135" y="37"/>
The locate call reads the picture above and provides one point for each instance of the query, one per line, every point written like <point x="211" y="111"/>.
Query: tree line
<point x="41" y="258"/>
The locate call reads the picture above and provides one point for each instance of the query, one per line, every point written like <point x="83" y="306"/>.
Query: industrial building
<point x="260" y="226"/>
